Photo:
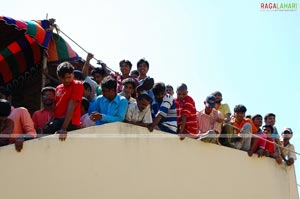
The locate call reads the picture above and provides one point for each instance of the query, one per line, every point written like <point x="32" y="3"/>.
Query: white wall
<point x="125" y="161"/>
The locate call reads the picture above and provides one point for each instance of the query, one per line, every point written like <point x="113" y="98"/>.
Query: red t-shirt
<point x="270" y="146"/>
<point x="63" y="95"/>
<point x="187" y="107"/>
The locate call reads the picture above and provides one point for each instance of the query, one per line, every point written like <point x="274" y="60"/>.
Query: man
<point x="270" y="119"/>
<point x="23" y="125"/>
<point x="243" y="129"/>
<point x="46" y="114"/>
<point x="129" y="85"/>
<point x="163" y="110"/>
<point x="209" y="127"/>
<point x="139" y="113"/>
<point x="68" y="96"/>
<point x="169" y="89"/>
<point x="186" y="112"/>
<point x="90" y="96"/>
<point x="223" y="108"/>
<point x="109" y="107"/>
<point x="288" y="154"/>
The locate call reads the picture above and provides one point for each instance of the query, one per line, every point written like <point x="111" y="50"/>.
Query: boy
<point x="270" y="145"/>
<point x="138" y="113"/>
<point x="68" y="97"/>
<point x="186" y="112"/>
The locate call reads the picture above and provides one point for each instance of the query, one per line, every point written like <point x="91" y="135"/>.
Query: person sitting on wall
<point x="109" y="107"/>
<point x="288" y="154"/>
<point x="23" y="124"/>
<point x="139" y="113"/>
<point x="68" y="96"/>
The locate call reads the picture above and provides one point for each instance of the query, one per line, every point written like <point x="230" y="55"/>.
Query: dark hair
<point x="48" y="88"/>
<point x="217" y="93"/>
<point x="240" y="108"/>
<point x="144" y="96"/>
<point x="135" y="72"/>
<point x="269" y="115"/>
<point x="158" y="88"/>
<point x="85" y="103"/>
<point x="182" y="86"/>
<point x="64" y="68"/>
<point x="86" y="85"/>
<point x="109" y="83"/>
<point x="100" y="71"/>
<point x="255" y="116"/>
<point x="5" y="91"/>
<point x="142" y="61"/>
<point x="169" y="86"/>
<point x="129" y="81"/>
<point x="127" y="62"/>
<point x="78" y="75"/>
<point x="5" y="108"/>
<point x="269" y="126"/>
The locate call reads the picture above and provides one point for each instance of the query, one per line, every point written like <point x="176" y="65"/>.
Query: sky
<point x="250" y="55"/>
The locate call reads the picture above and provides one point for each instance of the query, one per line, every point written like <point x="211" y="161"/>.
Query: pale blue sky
<point x="251" y="56"/>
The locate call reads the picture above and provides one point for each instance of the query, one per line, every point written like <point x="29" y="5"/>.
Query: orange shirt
<point x="244" y="121"/>
<point x="23" y="123"/>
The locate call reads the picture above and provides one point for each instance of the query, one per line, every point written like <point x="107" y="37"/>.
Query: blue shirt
<point x="112" y="111"/>
<point x="92" y="107"/>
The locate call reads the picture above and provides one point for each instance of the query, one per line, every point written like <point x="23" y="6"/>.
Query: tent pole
<point x="44" y="73"/>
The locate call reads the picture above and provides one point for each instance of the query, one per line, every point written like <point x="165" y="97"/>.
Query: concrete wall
<point x="125" y="161"/>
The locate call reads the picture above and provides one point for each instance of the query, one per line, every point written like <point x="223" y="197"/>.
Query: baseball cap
<point x="287" y="129"/>
<point x="210" y="101"/>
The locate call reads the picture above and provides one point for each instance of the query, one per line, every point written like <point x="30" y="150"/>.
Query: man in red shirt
<point x="46" y="114"/>
<point x="68" y="96"/>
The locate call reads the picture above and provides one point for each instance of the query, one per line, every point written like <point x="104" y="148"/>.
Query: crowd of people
<point x="96" y="96"/>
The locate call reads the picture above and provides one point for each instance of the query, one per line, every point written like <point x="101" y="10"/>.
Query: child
<point x="270" y="145"/>
<point x="186" y="112"/>
<point x="85" y="118"/>
<point x="287" y="153"/>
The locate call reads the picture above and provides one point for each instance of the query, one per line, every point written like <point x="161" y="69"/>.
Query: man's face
<point x="142" y="104"/>
<point x="48" y="98"/>
<point x="239" y="116"/>
<point x="286" y="135"/>
<point x="170" y="91"/>
<point x="125" y="69"/>
<point x="181" y="94"/>
<point x="128" y="89"/>
<point x="108" y="93"/>
<point x="159" y="96"/>
<point x="270" y="120"/>
<point x="218" y="98"/>
<point x="257" y="121"/>
<point x="98" y="78"/>
<point x="87" y="93"/>
<point x="143" y="69"/>
<point x="67" y="79"/>
<point x="267" y="130"/>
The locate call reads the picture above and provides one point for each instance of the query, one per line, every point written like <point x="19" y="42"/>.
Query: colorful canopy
<point x="22" y="44"/>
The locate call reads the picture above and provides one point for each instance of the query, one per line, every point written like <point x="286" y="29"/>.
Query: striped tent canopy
<point x="23" y="44"/>
<point x="59" y="50"/>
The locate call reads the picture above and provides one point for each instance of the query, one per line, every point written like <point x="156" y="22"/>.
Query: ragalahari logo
<point x="278" y="6"/>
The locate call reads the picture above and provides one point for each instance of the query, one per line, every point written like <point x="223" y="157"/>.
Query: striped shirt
<point x="187" y="107"/>
<point x="167" y="109"/>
